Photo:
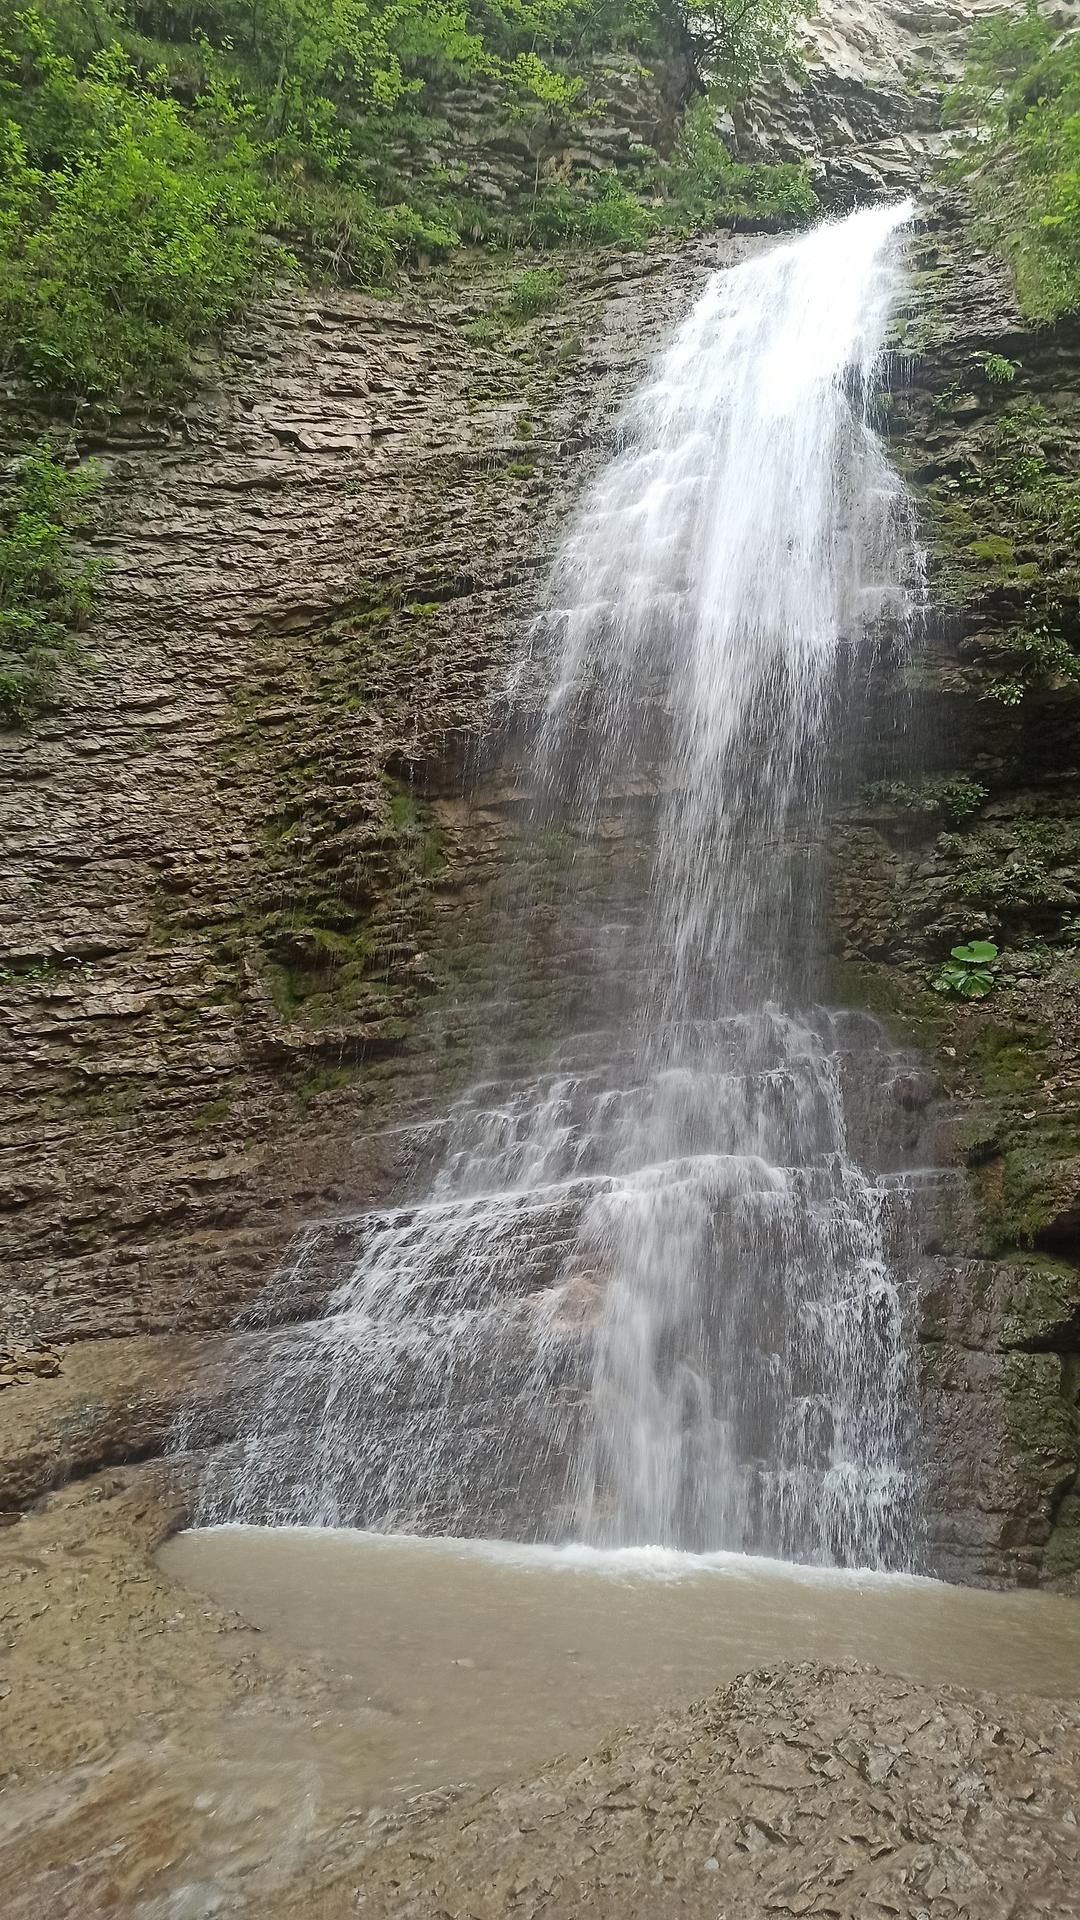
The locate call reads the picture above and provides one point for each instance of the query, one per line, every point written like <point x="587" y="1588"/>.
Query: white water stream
<point x="654" y="1292"/>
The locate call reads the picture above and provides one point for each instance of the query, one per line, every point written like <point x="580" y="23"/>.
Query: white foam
<point x="576" y="1557"/>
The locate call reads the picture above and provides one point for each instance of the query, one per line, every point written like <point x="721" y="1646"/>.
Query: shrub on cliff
<point x="154" y="159"/>
<point x="123" y="235"/>
<point x="1021" y="96"/>
<point x="703" y="182"/>
<point x="46" y="589"/>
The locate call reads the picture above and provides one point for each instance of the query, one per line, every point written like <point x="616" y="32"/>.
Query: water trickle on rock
<point x="653" y="1294"/>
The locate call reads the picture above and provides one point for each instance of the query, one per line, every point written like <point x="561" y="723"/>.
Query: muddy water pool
<point x="475" y="1660"/>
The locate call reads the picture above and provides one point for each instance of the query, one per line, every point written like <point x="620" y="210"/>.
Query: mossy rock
<point x="910" y="1013"/>
<point x="328" y="1079"/>
<point x="1040" y="1195"/>
<point x="1043" y="1305"/>
<point x="1008" y="1059"/>
<point x="1061" y="1560"/>
<point x="1041" y="1421"/>
<point x="977" y="1137"/>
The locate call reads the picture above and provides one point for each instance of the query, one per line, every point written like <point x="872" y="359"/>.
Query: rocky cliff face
<point x="860" y="97"/>
<point x="237" y="851"/>
<point x="251" y="856"/>
<point x="982" y="843"/>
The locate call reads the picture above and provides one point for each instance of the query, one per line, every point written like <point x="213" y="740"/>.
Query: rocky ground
<point x="153" y="1749"/>
<point x="160" y="1760"/>
<point x="796" y="1790"/>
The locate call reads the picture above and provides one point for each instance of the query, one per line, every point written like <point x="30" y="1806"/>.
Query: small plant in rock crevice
<point x="1040" y="654"/>
<point x="968" y="973"/>
<point x="999" y="371"/>
<point x="952" y="797"/>
<point x="46" y="590"/>
<point x="534" y="291"/>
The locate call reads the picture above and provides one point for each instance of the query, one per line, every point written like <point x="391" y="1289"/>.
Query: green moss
<point x="312" y="967"/>
<point x="1028" y="1199"/>
<point x="1043" y="1299"/>
<point x="1041" y="1420"/>
<point x="419" y="840"/>
<point x="1009" y="1059"/>
<point x="909" y="1012"/>
<point x="977" y="1137"/>
<point x="328" y="1079"/>
<point x="211" y="1115"/>
<point x="113" y="1102"/>
<point x="993" y="548"/>
<point x="1061" y="1559"/>
<point x="281" y="827"/>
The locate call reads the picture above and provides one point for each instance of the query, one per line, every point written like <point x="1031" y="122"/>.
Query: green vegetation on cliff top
<point x="1021" y="93"/>
<point x="160" y="163"/>
<point x="157" y="161"/>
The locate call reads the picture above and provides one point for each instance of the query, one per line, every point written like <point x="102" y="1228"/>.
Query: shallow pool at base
<point x="478" y="1659"/>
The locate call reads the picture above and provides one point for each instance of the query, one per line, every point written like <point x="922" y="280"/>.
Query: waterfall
<point x="652" y="1294"/>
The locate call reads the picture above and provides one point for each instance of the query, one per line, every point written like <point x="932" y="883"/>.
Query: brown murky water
<point x="400" y="1667"/>
<point x="477" y="1660"/>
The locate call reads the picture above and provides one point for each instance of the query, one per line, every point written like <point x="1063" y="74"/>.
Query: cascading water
<point x="652" y="1295"/>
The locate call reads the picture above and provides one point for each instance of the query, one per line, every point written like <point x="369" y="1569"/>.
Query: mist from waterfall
<point x="652" y="1293"/>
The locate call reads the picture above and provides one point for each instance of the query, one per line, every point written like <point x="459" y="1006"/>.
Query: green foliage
<point x="1021" y="94"/>
<point x="564" y="215"/>
<point x="148" y="151"/>
<point x="123" y="236"/>
<point x="1025" y="874"/>
<point x="700" y="184"/>
<point x="46" y="591"/>
<point x="703" y="182"/>
<point x="534" y="291"/>
<point x="969" y="971"/>
<point x="531" y="81"/>
<point x="1033" y="654"/>
<point x="727" y="44"/>
<point x="999" y="371"/>
<point x="951" y="797"/>
<point x="1023" y="477"/>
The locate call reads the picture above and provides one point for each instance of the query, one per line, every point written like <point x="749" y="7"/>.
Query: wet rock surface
<point x="798" y="1790"/>
<point x="239" y="858"/>
<point x="968" y="832"/>
<point x="242" y="884"/>
<point x="152" y="1745"/>
<point x="103" y="1402"/>
<point x="157" y="1755"/>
